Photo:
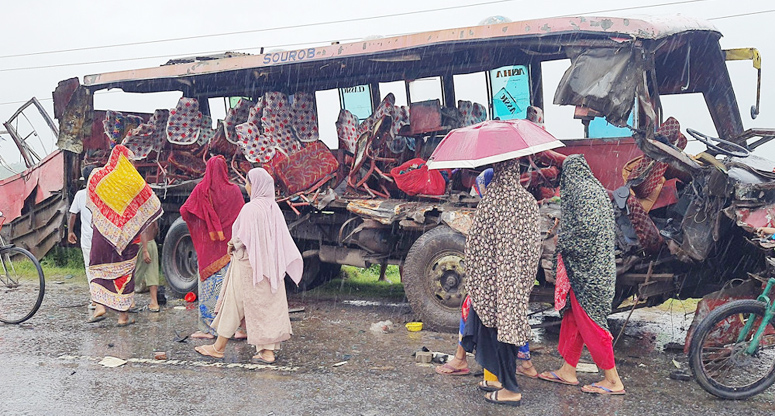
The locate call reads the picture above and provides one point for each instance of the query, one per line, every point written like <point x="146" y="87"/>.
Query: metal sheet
<point x="40" y="182"/>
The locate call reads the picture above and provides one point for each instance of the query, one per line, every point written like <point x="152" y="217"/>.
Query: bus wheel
<point x="316" y="273"/>
<point x="179" y="259"/>
<point x="434" y="278"/>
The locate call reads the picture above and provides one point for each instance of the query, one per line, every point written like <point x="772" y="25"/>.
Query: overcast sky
<point x="87" y="36"/>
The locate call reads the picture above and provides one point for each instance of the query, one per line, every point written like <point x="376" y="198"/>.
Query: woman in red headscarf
<point x="209" y="213"/>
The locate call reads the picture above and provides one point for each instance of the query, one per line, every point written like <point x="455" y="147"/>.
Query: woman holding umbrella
<point x="502" y="254"/>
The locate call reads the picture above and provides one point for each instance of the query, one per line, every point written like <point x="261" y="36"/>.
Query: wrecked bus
<point x="341" y="126"/>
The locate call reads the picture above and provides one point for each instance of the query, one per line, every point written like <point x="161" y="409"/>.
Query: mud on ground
<point x="50" y="366"/>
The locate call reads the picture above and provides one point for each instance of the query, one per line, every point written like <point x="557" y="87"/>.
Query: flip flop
<point x="484" y="385"/>
<point x="202" y="335"/>
<point x="522" y="372"/>
<point x="127" y="323"/>
<point x="602" y="390"/>
<point x="154" y="310"/>
<point x="208" y="351"/>
<point x="452" y="371"/>
<point x="259" y="360"/>
<point x="96" y="318"/>
<point x="493" y="398"/>
<point x="554" y="378"/>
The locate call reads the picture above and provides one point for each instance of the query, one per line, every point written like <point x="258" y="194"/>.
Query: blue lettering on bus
<point x="291" y="56"/>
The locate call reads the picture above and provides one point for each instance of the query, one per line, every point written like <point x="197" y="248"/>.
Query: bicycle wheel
<point x="719" y="362"/>
<point x="21" y="285"/>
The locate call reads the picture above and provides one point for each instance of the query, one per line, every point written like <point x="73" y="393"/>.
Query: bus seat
<point x="347" y="130"/>
<point x="471" y="113"/>
<point x="305" y="118"/>
<point x="237" y="115"/>
<point x="276" y="122"/>
<point x="184" y="122"/>
<point x="117" y="125"/>
<point x="147" y="137"/>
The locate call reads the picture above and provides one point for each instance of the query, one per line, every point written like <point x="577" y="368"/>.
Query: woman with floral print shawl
<point x="209" y="213"/>
<point x="122" y="206"/>
<point x="502" y="254"/>
<point x="585" y="245"/>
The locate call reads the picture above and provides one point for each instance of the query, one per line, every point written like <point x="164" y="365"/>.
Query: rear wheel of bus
<point x="179" y="262"/>
<point x="434" y="277"/>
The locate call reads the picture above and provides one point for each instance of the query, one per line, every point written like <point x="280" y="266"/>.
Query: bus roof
<point x="398" y="49"/>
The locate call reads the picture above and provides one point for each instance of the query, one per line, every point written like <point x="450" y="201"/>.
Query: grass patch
<point x="64" y="263"/>
<point x="362" y="283"/>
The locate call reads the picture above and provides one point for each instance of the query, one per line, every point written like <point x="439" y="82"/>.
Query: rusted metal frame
<point x="637" y="300"/>
<point x="20" y="142"/>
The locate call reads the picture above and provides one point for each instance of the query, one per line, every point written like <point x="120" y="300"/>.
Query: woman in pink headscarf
<point x="262" y="252"/>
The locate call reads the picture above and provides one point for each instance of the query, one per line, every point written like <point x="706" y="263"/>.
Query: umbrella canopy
<point x="490" y="142"/>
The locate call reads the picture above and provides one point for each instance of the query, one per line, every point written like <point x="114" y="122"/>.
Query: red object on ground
<point x="491" y="142"/>
<point x="190" y="297"/>
<point x="577" y="330"/>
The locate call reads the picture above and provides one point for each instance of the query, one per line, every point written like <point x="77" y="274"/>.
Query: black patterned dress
<point x="587" y="239"/>
<point x="502" y="254"/>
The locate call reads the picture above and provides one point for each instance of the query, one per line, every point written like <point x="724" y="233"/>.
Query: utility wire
<point x="269" y="29"/>
<point x="177" y="55"/>
<point x="356" y="19"/>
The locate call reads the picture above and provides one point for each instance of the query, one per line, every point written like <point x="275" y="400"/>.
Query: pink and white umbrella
<point x="491" y="142"/>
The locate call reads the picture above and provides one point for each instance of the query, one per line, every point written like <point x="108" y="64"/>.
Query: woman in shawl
<point x="209" y="213"/>
<point x="262" y="252"/>
<point x="502" y="253"/>
<point x="585" y="246"/>
<point x="122" y="206"/>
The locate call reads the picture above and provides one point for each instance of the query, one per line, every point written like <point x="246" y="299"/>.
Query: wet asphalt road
<point x="49" y="365"/>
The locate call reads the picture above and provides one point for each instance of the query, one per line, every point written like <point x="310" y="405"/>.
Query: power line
<point x="316" y="24"/>
<point x="242" y="32"/>
<point x="741" y="15"/>
<point x="307" y="43"/>
<point x="270" y="29"/>
<point x="166" y="56"/>
<point x="624" y="9"/>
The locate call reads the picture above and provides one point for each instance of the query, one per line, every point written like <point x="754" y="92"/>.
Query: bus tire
<point x="316" y="273"/>
<point x="179" y="262"/>
<point x="434" y="278"/>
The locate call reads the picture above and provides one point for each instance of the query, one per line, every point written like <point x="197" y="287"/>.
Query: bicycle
<point x="22" y="283"/>
<point x="732" y="351"/>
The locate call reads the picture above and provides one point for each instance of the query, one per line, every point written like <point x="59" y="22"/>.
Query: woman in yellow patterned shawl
<point x="122" y="205"/>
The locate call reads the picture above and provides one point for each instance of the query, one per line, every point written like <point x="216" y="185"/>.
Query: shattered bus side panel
<point x="34" y="205"/>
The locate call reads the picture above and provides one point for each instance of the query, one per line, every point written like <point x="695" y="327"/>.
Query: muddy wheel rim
<point x="446" y="279"/>
<point x="185" y="261"/>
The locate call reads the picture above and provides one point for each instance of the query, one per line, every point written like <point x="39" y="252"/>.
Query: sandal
<point x="123" y="324"/>
<point x="209" y="351"/>
<point x="554" y="378"/>
<point x="96" y="318"/>
<point x="448" y="370"/>
<point x="493" y="398"/>
<point x="521" y="372"/>
<point x="259" y="359"/>
<point x="602" y="390"/>
<point x="485" y="385"/>
<point x="202" y="335"/>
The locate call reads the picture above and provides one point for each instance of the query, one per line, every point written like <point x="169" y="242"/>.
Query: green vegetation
<point x="363" y="283"/>
<point x="64" y="263"/>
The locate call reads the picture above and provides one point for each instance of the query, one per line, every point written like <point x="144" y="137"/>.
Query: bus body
<point x="618" y="72"/>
